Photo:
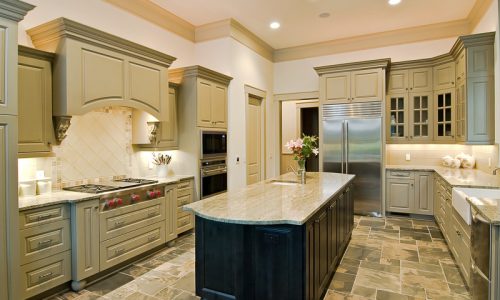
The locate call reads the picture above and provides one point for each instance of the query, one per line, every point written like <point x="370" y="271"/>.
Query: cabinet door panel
<point x="8" y="65"/>
<point x="204" y="109"/>
<point x="420" y="80"/>
<point x="85" y="249"/>
<point x="398" y="82"/>
<point x="102" y="77"/>
<point x="480" y="61"/>
<point x="460" y="66"/>
<point x="444" y="76"/>
<point x="35" y="105"/>
<point x="145" y="84"/>
<point x="321" y="271"/>
<point x="420" y="119"/>
<point x="444" y="115"/>
<point x="333" y="252"/>
<point x="366" y="85"/>
<point x="400" y="195"/>
<point x="168" y="128"/>
<point x="338" y="87"/>
<point x="480" y="110"/>
<point x="219" y="106"/>
<point x="424" y="194"/>
<point x="397" y="119"/>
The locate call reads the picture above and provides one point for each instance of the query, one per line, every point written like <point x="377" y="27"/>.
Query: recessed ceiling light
<point x="324" y="15"/>
<point x="394" y="2"/>
<point x="274" y="25"/>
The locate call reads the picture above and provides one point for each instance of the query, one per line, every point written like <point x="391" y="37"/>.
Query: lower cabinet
<point x="85" y="249"/>
<point x="409" y="192"/>
<point x="185" y="194"/>
<point x="170" y="212"/>
<point x="44" y="249"/>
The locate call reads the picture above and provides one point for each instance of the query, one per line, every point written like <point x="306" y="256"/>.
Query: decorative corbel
<point x="61" y="125"/>
<point x="153" y="131"/>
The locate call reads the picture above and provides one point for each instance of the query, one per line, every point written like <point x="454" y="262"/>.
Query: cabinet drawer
<point x="45" y="274"/>
<point x="128" y="245"/>
<point x="120" y="221"/>
<point x="183" y="200"/>
<point x="185" y="184"/>
<point x="401" y="174"/>
<point x="184" y="223"/>
<point x="43" y="215"/>
<point x="44" y="241"/>
<point x="182" y="213"/>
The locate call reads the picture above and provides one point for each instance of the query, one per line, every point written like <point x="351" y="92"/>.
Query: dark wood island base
<point x="240" y="261"/>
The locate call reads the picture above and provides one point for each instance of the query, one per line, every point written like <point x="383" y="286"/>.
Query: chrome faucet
<point x="495" y="171"/>
<point x="301" y="175"/>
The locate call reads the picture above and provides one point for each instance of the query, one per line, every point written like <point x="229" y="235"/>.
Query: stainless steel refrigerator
<point x="352" y="144"/>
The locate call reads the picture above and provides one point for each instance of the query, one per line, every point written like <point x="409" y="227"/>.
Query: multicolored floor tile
<point x="387" y="259"/>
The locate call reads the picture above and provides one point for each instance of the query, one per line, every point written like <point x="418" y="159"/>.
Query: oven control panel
<point x="130" y="197"/>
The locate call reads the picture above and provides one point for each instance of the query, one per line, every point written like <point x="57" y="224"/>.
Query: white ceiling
<point x="301" y="25"/>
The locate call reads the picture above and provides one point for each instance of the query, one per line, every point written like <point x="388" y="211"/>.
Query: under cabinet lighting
<point x="394" y="2"/>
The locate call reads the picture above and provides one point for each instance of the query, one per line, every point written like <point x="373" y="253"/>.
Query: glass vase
<point x="301" y="171"/>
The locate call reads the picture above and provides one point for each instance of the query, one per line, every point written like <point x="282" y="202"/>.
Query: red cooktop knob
<point x="158" y="193"/>
<point x="109" y="203"/>
<point x="118" y="201"/>
<point x="151" y="194"/>
<point x="135" y="197"/>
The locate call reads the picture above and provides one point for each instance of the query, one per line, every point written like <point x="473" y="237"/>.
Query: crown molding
<point x="375" y="40"/>
<point x="177" y="75"/>
<point x="50" y="33"/>
<point x="14" y="10"/>
<point x="157" y="15"/>
<point x="231" y="28"/>
<point x="234" y="29"/>
<point x="35" y="53"/>
<point x="358" y="65"/>
<point x="314" y="95"/>
<point x="477" y="12"/>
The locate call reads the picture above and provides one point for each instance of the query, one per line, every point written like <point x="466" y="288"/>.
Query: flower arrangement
<point x="303" y="148"/>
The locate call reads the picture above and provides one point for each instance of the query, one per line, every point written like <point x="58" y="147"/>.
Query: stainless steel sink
<point x="284" y="182"/>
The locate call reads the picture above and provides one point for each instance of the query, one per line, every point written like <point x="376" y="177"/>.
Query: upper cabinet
<point x="354" y="82"/>
<point x="444" y="76"/>
<point x="409" y="104"/>
<point x="35" y="102"/>
<point x="446" y="99"/>
<point x="475" y="88"/>
<point x="149" y="134"/>
<point x="96" y="69"/>
<point x="204" y="93"/>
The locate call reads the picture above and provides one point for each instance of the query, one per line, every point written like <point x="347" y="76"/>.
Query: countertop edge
<point x="481" y="212"/>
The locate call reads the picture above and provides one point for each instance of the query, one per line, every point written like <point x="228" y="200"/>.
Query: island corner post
<point x="274" y="261"/>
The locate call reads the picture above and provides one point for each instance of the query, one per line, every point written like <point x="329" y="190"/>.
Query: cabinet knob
<point x="411" y="184"/>
<point x="411" y="89"/>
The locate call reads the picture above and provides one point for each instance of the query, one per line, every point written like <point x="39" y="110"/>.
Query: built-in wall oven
<point x="213" y="144"/>
<point x="213" y="177"/>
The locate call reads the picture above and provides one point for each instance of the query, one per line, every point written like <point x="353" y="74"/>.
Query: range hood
<point x="94" y="69"/>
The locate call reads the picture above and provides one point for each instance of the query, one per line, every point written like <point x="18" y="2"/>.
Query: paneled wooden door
<point x="254" y="139"/>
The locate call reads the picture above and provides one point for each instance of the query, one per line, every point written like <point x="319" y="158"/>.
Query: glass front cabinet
<point x="444" y="110"/>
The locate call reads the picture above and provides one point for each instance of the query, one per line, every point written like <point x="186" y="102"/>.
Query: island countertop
<point x="268" y="203"/>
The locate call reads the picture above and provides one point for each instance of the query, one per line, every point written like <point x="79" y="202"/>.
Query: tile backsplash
<point x="431" y="154"/>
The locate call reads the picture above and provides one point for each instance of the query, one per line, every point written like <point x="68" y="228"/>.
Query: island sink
<point x="271" y="240"/>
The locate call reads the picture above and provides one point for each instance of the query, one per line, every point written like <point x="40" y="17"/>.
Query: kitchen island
<point x="275" y="239"/>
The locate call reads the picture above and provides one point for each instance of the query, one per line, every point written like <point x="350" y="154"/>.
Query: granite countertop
<point x="57" y="197"/>
<point x="266" y="203"/>
<point x="470" y="178"/>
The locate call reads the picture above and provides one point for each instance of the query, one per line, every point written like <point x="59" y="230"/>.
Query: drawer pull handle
<point x="45" y="243"/>
<point x="45" y="276"/>
<point x="119" y="251"/>
<point x="45" y="217"/>
<point x="119" y="223"/>
<point x="458" y="233"/>
<point x="152" y="238"/>
<point x="152" y="214"/>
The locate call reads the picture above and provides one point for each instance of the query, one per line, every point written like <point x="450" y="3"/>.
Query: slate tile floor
<point x="389" y="259"/>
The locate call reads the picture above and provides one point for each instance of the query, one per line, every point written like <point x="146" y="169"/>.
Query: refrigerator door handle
<point x="346" y="147"/>
<point x="342" y="148"/>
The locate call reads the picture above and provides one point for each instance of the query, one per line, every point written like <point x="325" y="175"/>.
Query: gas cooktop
<point x="137" y="180"/>
<point x="91" y="188"/>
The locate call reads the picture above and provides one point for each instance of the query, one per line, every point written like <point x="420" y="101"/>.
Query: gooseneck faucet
<point x="300" y="174"/>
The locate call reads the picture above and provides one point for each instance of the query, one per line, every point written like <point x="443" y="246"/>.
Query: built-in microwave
<point x="213" y="144"/>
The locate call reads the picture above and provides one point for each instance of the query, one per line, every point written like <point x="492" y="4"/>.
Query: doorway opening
<point x="309" y="125"/>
